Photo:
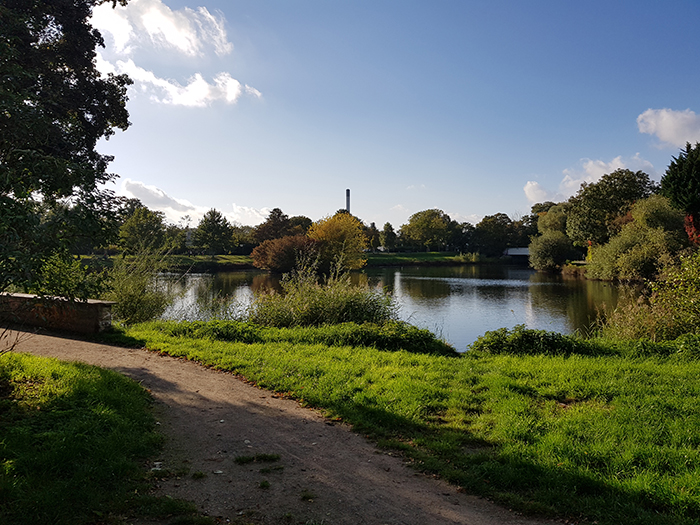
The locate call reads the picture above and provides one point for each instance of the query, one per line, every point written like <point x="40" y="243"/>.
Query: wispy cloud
<point x="588" y="171"/>
<point x="673" y="128"/>
<point x="196" y="93"/>
<point x="156" y="199"/>
<point x="176" y="209"/>
<point x="150" y="25"/>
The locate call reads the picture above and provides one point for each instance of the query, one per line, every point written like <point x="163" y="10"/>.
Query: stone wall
<point x="56" y="312"/>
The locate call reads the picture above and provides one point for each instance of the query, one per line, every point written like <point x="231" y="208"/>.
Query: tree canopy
<point x="650" y="241"/>
<point x="144" y="230"/>
<point x="275" y="226"/>
<point x="427" y="228"/>
<point x="54" y="107"/>
<point x="492" y="235"/>
<point x="593" y="210"/>
<point x="214" y="232"/>
<point x="387" y="237"/>
<point x="341" y="239"/>
<point x="681" y="184"/>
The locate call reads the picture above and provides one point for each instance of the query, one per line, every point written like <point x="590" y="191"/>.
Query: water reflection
<point x="459" y="303"/>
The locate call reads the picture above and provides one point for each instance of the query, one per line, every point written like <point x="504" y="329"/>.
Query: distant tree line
<point x="625" y="225"/>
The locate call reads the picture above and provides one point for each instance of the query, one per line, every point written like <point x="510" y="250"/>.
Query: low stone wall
<point x="56" y="312"/>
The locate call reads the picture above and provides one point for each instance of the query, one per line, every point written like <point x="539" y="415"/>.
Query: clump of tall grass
<point x="469" y="258"/>
<point x="134" y="286"/>
<point x="306" y="300"/>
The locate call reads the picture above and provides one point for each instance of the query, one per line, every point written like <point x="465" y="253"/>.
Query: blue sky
<point x="473" y="107"/>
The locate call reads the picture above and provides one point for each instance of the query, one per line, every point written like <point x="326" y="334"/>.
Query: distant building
<point x="519" y="255"/>
<point x="514" y="252"/>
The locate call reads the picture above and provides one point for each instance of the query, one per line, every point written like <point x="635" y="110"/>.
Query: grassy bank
<point x="220" y="263"/>
<point x="73" y="444"/>
<point x="586" y="430"/>
<point x="421" y="259"/>
<point x="209" y="263"/>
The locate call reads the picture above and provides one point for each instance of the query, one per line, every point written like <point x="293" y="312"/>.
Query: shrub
<point x="671" y="309"/>
<point x="523" y="341"/>
<point x="643" y="246"/>
<point x="281" y="255"/>
<point x="135" y="287"/>
<point x="64" y="276"/>
<point x="551" y="250"/>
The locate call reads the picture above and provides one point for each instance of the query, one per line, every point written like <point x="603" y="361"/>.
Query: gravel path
<point x="325" y="473"/>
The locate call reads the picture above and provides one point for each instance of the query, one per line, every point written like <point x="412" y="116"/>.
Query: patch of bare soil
<point x="325" y="473"/>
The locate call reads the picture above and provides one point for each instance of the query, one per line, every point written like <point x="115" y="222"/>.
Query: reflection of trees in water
<point x="425" y="288"/>
<point x="501" y="294"/>
<point x="578" y="300"/>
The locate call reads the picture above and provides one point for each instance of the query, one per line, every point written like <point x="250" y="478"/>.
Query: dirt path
<point x="325" y="474"/>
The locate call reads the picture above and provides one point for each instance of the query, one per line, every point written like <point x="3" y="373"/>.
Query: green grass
<point x="412" y="258"/>
<point x="73" y="442"/>
<point x="606" y="434"/>
<point x="390" y="336"/>
<point x="200" y="262"/>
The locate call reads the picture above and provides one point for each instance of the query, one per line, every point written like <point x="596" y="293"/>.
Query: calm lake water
<point x="458" y="303"/>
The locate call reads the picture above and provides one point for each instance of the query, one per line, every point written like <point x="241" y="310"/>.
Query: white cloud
<point x="156" y="199"/>
<point x="145" y="23"/>
<point x="416" y="187"/>
<point x="213" y="27"/>
<point x="535" y="192"/>
<point x="589" y="171"/>
<point x="150" y="24"/>
<point x="247" y="215"/>
<point x="176" y="209"/>
<point x="673" y="128"/>
<point x="196" y="93"/>
<point x="472" y="218"/>
<point x="115" y="23"/>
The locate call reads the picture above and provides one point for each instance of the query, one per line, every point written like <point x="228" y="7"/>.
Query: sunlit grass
<point x="73" y="440"/>
<point x="408" y="258"/>
<point x="610" y="438"/>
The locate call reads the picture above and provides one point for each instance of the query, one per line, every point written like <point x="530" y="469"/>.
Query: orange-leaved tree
<point x="341" y="240"/>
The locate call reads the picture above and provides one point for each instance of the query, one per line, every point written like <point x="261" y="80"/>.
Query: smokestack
<point x="347" y="200"/>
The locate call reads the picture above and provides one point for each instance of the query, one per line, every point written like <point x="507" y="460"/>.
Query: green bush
<point x="523" y="341"/>
<point x="671" y="310"/>
<point x="642" y="247"/>
<point x="551" y="250"/>
<point x="134" y="286"/>
<point x="65" y="276"/>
